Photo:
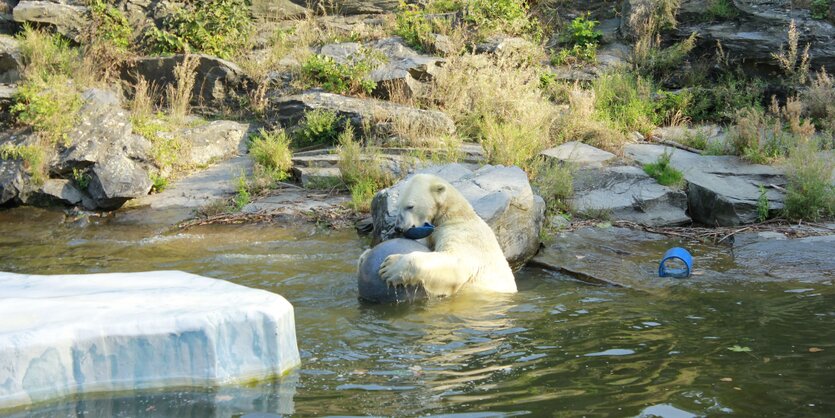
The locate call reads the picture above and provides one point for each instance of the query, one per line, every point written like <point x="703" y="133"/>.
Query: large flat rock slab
<point x="774" y="255"/>
<point x="721" y="190"/>
<point x="72" y="334"/>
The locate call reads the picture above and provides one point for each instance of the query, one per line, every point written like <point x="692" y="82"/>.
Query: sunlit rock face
<point x="70" y="334"/>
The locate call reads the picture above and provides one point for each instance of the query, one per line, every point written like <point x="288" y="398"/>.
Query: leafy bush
<point x="158" y="183"/>
<point x="33" y="157"/>
<point x="583" y="31"/>
<point x="318" y="127"/>
<point x="412" y="25"/>
<point x="50" y="106"/>
<point x="663" y="172"/>
<point x="504" y="16"/>
<point x="348" y="78"/>
<point x="361" y="171"/>
<point x="820" y="8"/>
<point x="215" y="27"/>
<point x="110" y="24"/>
<point x="555" y="183"/>
<point x="242" y="197"/>
<point x="81" y="178"/>
<point x="271" y="150"/>
<point x="810" y="194"/>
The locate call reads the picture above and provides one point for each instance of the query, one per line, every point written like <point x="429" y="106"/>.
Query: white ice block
<point x="69" y="334"/>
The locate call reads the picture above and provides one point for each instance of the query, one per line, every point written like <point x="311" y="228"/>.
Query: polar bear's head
<point x="421" y="200"/>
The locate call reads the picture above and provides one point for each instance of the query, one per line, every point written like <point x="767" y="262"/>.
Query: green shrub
<point x="50" y="106"/>
<point x="158" y="183"/>
<point x="81" y="178"/>
<point x="575" y="55"/>
<point x="349" y="78"/>
<point x="215" y="27"/>
<point x="412" y="25"/>
<point x="810" y="194"/>
<point x="663" y="172"/>
<point x="650" y="59"/>
<point x="583" y="31"/>
<point x="111" y="25"/>
<point x="318" y="127"/>
<point x="820" y="8"/>
<point x="271" y="150"/>
<point x="242" y="197"/>
<point x="33" y="157"/>
<point x="502" y="16"/>
<point x="361" y="170"/>
<point x="46" y="55"/>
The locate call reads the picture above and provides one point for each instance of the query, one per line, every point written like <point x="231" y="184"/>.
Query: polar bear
<point x="465" y="253"/>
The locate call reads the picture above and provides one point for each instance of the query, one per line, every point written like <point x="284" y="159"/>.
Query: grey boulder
<point x="628" y="193"/>
<point x="67" y="17"/>
<point x="500" y="195"/>
<point x="288" y="111"/>
<point x="721" y="190"/>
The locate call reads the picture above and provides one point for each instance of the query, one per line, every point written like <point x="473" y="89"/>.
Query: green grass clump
<point x="721" y="99"/>
<point x="271" y="151"/>
<point x="555" y="183"/>
<point x="581" y="39"/>
<point x="624" y="99"/>
<point x="412" y="25"/>
<point x="361" y="171"/>
<point x="663" y="172"/>
<point x="318" y="127"/>
<point x="158" y="183"/>
<point x="347" y="78"/>
<point x="721" y="9"/>
<point x="243" y="196"/>
<point x="216" y="27"/>
<point x="810" y="194"/>
<point x="33" y="157"/>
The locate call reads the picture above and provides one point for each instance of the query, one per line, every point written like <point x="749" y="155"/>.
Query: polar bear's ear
<point x="438" y="189"/>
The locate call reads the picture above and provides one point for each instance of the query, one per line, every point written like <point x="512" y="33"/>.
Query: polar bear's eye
<point x="410" y="207"/>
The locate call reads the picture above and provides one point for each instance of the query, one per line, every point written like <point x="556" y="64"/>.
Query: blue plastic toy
<point x="419" y="232"/>
<point x="682" y="256"/>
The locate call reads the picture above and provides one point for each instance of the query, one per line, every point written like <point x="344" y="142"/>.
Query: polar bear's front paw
<point x="393" y="270"/>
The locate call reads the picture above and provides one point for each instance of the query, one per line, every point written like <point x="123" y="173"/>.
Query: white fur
<point x="465" y="253"/>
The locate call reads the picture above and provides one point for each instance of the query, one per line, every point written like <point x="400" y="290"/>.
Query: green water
<point x="557" y="348"/>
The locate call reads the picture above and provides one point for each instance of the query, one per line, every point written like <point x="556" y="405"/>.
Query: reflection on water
<point x="557" y="347"/>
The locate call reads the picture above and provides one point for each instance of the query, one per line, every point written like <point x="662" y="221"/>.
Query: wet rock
<point x="501" y="195"/>
<point x="67" y="17"/>
<point x="11" y="180"/>
<point x="578" y="154"/>
<point x="117" y="179"/>
<point x="628" y="193"/>
<point x="288" y="111"/>
<point x="721" y="190"/>
<point x="56" y="192"/>
<point x="10" y="60"/>
<point x="773" y="255"/>
<point x="216" y="80"/>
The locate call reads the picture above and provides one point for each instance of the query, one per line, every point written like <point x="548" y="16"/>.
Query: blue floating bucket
<point x="419" y="232"/>
<point x="677" y="262"/>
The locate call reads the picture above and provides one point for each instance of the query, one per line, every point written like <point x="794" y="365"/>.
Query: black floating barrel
<point x="372" y="288"/>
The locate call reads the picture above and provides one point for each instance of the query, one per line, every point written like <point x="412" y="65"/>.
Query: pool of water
<point x="557" y="348"/>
